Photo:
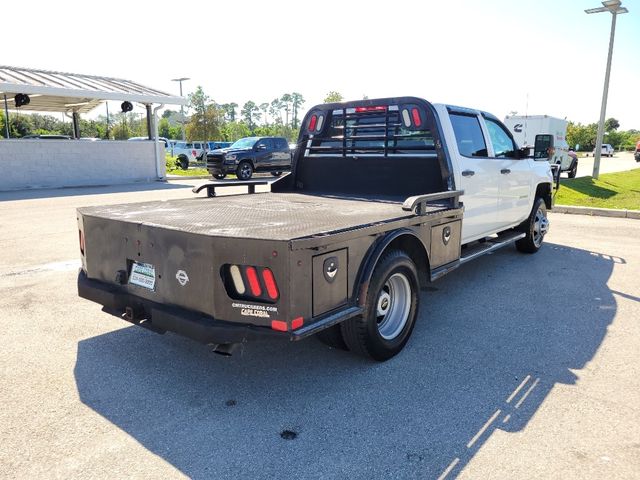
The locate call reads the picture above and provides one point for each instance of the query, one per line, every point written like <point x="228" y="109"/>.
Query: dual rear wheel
<point x="390" y="311"/>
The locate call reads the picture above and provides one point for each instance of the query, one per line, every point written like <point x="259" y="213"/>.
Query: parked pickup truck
<point x="384" y="197"/>
<point x="248" y="155"/>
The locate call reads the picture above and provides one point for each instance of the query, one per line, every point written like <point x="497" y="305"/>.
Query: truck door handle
<point x="504" y="171"/>
<point x="468" y="173"/>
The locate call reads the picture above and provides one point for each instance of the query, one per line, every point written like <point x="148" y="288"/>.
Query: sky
<point x="531" y="57"/>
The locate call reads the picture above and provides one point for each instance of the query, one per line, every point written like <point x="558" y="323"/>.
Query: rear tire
<point x="390" y="311"/>
<point x="573" y="171"/>
<point x="276" y="174"/>
<point x="244" y="170"/>
<point x="184" y="163"/>
<point x="535" y="228"/>
<point x="219" y="176"/>
<point x="332" y="337"/>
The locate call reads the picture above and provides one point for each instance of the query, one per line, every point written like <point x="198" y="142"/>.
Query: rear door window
<point x="469" y="135"/>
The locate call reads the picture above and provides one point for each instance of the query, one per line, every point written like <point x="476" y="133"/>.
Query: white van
<point x="524" y="129"/>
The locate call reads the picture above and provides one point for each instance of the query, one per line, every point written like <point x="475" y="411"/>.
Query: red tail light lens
<point x="415" y="113"/>
<point x="270" y="283"/>
<point x="312" y="123"/>
<point x="254" y="283"/>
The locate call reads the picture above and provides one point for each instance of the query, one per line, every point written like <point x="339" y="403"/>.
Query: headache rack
<point x="381" y="130"/>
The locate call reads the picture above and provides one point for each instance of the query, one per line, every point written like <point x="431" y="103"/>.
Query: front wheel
<point x="244" y="171"/>
<point x="573" y="171"/>
<point x="390" y="311"/>
<point x="184" y="163"/>
<point x="535" y="228"/>
<point x="219" y="176"/>
<point x="276" y="174"/>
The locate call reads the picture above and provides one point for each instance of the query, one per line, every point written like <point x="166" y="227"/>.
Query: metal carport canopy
<point x="64" y="92"/>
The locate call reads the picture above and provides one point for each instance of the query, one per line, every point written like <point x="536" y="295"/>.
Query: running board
<point x="489" y="245"/>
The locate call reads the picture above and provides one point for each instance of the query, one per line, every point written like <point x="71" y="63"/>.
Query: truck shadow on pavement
<point x="492" y="341"/>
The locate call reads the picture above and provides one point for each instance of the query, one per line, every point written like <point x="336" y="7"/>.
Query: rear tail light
<point x="248" y="282"/>
<point x="254" y="283"/>
<point x="412" y="117"/>
<point x="316" y="121"/>
<point x="81" y="238"/>
<point x="415" y="114"/>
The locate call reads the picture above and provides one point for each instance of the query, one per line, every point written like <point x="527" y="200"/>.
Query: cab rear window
<point x="375" y="132"/>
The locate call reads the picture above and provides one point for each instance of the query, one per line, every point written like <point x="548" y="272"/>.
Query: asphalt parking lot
<point x="520" y="366"/>
<point x="620" y="162"/>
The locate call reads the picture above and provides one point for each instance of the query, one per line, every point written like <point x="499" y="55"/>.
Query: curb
<point x="598" y="212"/>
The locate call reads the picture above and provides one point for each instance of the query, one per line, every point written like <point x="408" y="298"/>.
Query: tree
<point x="297" y="100"/>
<point x="233" y="131"/>
<point x="333" y="97"/>
<point x="611" y="124"/>
<point x="275" y="110"/>
<point x="248" y="113"/>
<point x="229" y="111"/>
<point x="583" y="135"/>
<point x="206" y="119"/>
<point x="286" y="101"/>
<point x="265" y="109"/>
<point x="168" y="113"/>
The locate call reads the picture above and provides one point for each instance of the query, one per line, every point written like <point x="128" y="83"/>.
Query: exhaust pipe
<point x="225" y="349"/>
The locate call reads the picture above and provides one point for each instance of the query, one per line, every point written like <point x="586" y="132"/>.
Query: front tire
<point x="183" y="162"/>
<point x="390" y="311"/>
<point x="573" y="171"/>
<point x="244" y="171"/>
<point x="219" y="176"/>
<point x="276" y="174"/>
<point x="535" y="228"/>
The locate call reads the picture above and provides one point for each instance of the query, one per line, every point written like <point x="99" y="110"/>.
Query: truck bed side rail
<point x="418" y="203"/>
<point x="211" y="186"/>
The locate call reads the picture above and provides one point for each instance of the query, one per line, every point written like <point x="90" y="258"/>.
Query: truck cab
<point x="499" y="180"/>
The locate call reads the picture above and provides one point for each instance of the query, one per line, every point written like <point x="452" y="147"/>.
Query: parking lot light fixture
<point x="615" y="8"/>
<point x="180" y="80"/>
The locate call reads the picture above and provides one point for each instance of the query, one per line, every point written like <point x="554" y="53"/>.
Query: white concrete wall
<point x="63" y="163"/>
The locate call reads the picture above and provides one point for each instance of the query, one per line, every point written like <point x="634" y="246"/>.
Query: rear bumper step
<point x="163" y="318"/>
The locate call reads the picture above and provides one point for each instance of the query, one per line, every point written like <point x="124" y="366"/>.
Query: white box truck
<point x="525" y="128"/>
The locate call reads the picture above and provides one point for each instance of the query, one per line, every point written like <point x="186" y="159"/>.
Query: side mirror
<point x="543" y="149"/>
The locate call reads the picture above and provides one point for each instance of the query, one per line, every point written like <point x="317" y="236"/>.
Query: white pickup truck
<point x="384" y="197"/>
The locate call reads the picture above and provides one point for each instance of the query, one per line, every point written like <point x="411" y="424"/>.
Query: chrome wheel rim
<point x="245" y="171"/>
<point x="393" y="306"/>
<point x="540" y="227"/>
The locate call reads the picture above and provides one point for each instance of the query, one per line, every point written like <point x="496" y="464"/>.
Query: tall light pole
<point x="183" y="79"/>
<point x="614" y="7"/>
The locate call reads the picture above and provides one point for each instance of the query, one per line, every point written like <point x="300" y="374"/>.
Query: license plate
<point x="143" y="275"/>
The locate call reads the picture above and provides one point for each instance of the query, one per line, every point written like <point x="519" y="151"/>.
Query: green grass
<point x="187" y="173"/>
<point x="619" y="190"/>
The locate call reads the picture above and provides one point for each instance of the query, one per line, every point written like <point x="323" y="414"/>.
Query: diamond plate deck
<point x="273" y="216"/>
